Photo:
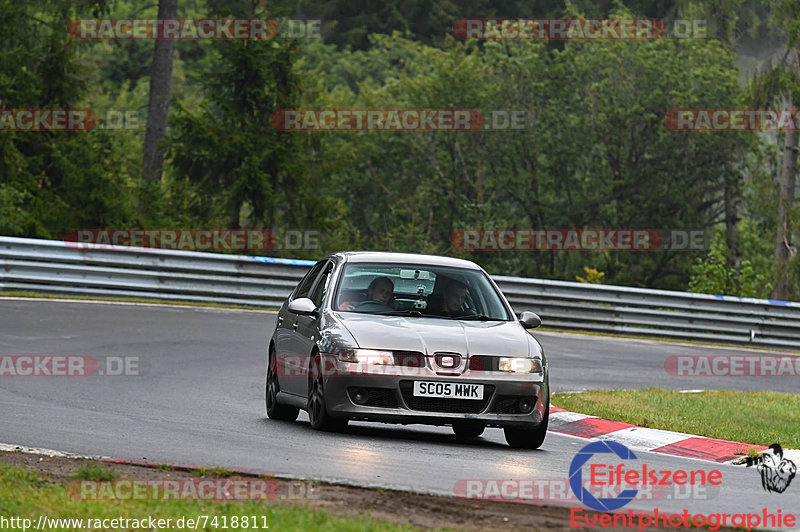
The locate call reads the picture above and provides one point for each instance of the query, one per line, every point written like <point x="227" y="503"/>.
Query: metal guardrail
<point x="55" y="267"/>
<point x="663" y="313"/>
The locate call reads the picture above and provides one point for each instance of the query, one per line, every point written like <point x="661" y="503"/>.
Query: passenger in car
<point x="452" y="299"/>
<point x="379" y="290"/>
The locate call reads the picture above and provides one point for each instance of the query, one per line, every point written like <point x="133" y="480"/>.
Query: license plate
<point x="448" y="390"/>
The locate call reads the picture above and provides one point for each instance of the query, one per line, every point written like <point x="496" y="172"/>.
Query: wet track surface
<point x="199" y="399"/>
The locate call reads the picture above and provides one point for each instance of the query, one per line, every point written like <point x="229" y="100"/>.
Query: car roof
<point x="405" y="258"/>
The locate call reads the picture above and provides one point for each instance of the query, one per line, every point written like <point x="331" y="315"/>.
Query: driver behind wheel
<point x="380" y="290"/>
<point x="452" y="300"/>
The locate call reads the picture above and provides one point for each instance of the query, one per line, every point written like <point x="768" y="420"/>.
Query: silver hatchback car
<point x="407" y="338"/>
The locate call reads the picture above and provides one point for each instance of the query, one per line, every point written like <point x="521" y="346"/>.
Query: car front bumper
<point x="509" y="400"/>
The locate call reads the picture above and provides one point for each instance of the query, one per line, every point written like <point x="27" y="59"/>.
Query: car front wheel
<point x="317" y="409"/>
<point x="529" y="438"/>
<point x="466" y="430"/>
<point x="275" y="410"/>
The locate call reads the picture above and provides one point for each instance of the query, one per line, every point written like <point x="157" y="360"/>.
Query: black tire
<point x="317" y="409"/>
<point x="529" y="438"/>
<point x="466" y="430"/>
<point x="275" y="410"/>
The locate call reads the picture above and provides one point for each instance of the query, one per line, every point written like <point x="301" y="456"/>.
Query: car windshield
<point x="418" y="291"/>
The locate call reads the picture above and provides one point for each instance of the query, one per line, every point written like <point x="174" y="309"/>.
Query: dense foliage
<point x="593" y="151"/>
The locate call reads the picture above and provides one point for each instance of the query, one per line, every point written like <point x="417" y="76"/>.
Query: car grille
<point x="451" y="406"/>
<point x="480" y="363"/>
<point x="378" y="397"/>
<point x="409" y="359"/>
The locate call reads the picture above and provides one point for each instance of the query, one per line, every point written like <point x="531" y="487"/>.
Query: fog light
<point x="360" y="396"/>
<point x="525" y="405"/>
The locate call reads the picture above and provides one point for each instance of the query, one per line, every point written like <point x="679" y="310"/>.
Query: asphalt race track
<point x="200" y="399"/>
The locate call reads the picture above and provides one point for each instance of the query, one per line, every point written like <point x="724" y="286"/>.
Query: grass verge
<point x="25" y="494"/>
<point x="93" y="471"/>
<point x="760" y="418"/>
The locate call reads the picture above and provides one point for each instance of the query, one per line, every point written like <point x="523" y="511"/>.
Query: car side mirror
<point x="530" y="320"/>
<point x="303" y="306"/>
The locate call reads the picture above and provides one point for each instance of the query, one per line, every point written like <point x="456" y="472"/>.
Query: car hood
<point x="428" y="335"/>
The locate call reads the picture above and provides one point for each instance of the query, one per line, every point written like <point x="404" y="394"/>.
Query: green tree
<point x="712" y="274"/>
<point x="53" y="181"/>
<point x="594" y="154"/>
<point x="158" y="106"/>
<point x="226" y="147"/>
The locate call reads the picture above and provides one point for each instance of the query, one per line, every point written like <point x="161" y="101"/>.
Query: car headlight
<point x="367" y="356"/>
<point x="520" y="365"/>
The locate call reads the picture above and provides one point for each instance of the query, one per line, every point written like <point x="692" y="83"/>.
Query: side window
<point x="322" y="284"/>
<point x="305" y="285"/>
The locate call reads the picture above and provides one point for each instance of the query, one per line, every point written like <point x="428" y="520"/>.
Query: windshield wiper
<point x="478" y="317"/>
<point x="409" y="312"/>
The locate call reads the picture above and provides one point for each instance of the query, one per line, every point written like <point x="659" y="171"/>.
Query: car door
<point x="308" y="326"/>
<point x="288" y="346"/>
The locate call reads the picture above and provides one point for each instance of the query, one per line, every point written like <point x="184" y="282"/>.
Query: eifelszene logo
<point x="618" y="483"/>
<point x="604" y="504"/>
<point x="776" y="471"/>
